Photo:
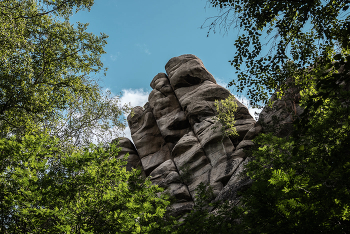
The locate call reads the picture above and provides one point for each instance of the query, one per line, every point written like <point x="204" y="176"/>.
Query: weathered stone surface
<point x="238" y="154"/>
<point x="210" y="137"/>
<point x="144" y="130"/>
<point x="178" y="209"/>
<point x="149" y="162"/>
<point x="187" y="70"/>
<point x="166" y="176"/>
<point x="195" y="87"/>
<point x="242" y="127"/>
<point x="193" y="164"/>
<point x="242" y="112"/>
<point x="199" y="103"/>
<point x="170" y="118"/>
<point x="127" y="146"/>
<point x="223" y="171"/>
<point x="162" y="99"/>
<point x="244" y="144"/>
<point x="197" y="91"/>
<point x="188" y="150"/>
<point x="253" y="132"/>
<point x="238" y="182"/>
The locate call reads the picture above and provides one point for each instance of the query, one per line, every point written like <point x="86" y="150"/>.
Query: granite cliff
<point x="177" y="138"/>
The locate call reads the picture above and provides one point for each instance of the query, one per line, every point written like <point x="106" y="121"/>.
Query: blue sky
<point x="144" y="35"/>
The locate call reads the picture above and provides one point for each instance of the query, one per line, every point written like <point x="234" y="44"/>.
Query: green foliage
<point x="45" y="189"/>
<point x="300" y="183"/>
<point x="225" y="113"/>
<point x="44" y="63"/>
<point x="51" y="180"/>
<point x="306" y="33"/>
<point x="88" y="120"/>
<point x="307" y="191"/>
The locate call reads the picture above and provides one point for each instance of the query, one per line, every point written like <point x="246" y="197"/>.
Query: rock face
<point x="147" y="138"/>
<point x="178" y="137"/>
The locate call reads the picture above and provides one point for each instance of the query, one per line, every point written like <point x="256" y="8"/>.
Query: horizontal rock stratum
<point x="178" y="140"/>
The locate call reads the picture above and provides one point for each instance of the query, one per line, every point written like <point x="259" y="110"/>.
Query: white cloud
<point x="143" y="48"/>
<point x="133" y="97"/>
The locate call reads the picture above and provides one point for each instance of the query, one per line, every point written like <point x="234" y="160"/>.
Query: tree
<point x="45" y="63"/>
<point x="86" y="120"/>
<point x="300" y="182"/>
<point x="306" y="33"/>
<point x="50" y="181"/>
<point x="226" y="109"/>
<point x="43" y="189"/>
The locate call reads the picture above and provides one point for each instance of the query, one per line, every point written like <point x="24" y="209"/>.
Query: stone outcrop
<point x="178" y="138"/>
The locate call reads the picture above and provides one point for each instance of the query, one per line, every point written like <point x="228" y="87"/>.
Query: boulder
<point x="253" y="132"/>
<point x="187" y="71"/>
<point x="166" y="176"/>
<point x="197" y="91"/>
<point x="238" y="182"/>
<point x="215" y="145"/>
<point x="181" y="208"/>
<point x="244" y="144"/>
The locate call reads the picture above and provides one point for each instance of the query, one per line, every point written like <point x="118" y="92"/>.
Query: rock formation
<point x="178" y="138"/>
